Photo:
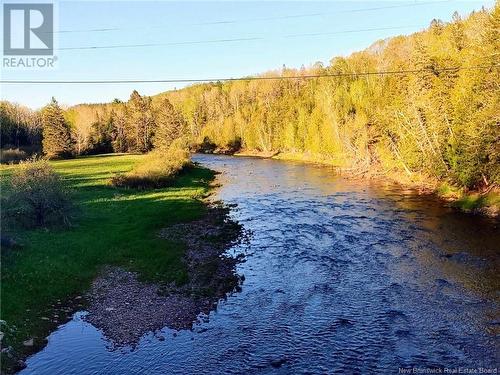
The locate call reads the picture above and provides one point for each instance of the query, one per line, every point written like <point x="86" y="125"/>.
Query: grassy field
<point x="110" y="226"/>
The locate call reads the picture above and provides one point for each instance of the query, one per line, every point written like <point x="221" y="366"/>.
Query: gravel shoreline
<point x="124" y="308"/>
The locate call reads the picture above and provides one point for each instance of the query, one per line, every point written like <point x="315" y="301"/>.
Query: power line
<point x="258" y="78"/>
<point x="351" y="31"/>
<point x="162" y="44"/>
<point x="96" y="30"/>
<point x="323" y="13"/>
<point x="249" y="39"/>
<point x="225" y="22"/>
<point x="396" y="6"/>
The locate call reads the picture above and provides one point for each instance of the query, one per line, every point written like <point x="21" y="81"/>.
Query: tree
<point x="457" y="32"/>
<point x="169" y="125"/>
<point x="140" y="122"/>
<point x="57" y="141"/>
<point x="118" y="136"/>
<point x="20" y="126"/>
<point x="101" y="135"/>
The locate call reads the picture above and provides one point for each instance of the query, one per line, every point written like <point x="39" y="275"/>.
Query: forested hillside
<point x="441" y="120"/>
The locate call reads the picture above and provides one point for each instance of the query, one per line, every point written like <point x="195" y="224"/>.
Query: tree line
<point x="20" y="126"/>
<point x="133" y="126"/>
<point x="439" y="122"/>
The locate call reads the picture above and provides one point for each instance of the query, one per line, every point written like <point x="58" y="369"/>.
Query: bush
<point x="234" y="145"/>
<point x="207" y="146"/>
<point x="12" y="155"/>
<point x="157" y="169"/>
<point x="37" y="195"/>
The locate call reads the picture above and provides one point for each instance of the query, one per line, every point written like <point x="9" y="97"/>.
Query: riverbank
<point x="45" y="279"/>
<point x="485" y="202"/>
<point x="124" y="308"/>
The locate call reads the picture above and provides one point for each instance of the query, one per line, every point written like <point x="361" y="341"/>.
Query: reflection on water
<point x="340" y="276"/>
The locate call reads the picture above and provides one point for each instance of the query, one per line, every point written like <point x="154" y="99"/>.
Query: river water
<point x="340" y="277"/>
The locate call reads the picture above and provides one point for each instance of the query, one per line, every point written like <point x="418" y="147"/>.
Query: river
<point x="341" y="276"/>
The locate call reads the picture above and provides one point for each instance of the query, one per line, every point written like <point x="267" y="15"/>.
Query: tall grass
<point x="157" y="169"/>
<point x="12" y="155"/>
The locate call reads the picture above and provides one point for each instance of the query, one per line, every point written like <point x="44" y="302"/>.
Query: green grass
<point x="470" y="201"/>
<point x="110" y="226"/>
<point x="448" y="191"/>
<point x="476" y="201"/>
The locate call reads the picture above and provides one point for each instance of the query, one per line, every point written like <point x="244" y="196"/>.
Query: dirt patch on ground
<point x="124" y="308"/>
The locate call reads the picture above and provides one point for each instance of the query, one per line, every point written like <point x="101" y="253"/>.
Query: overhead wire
<point x="254" y="78"/>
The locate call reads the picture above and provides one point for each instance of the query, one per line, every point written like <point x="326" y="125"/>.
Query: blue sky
<point x="268" y="26"/>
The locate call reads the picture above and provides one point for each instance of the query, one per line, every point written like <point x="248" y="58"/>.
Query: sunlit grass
<point x="475" y="201"/>
<point x="469" y="201"/>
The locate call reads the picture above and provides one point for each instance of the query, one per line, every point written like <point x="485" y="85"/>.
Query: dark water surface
<point x="341" y="277"/>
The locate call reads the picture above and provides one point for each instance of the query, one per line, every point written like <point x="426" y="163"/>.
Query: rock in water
<point x="277" y="363"/>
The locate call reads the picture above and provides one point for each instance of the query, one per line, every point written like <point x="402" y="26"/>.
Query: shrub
<point x="12" y="155"/>
<point x="207" y="146"/>
<point x="37" y="195"/>
<point x="234" y="145"/>
<point x="157" y="169"/>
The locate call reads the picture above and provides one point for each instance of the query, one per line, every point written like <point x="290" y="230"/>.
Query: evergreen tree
<point x="169" y="125"/>
<point x="56" y="132"/>
<point x="140" y="121"/>
<point x="101" y="135"/>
